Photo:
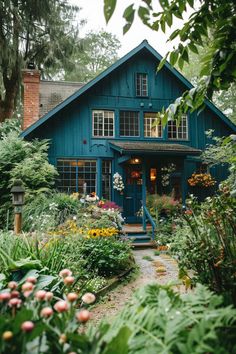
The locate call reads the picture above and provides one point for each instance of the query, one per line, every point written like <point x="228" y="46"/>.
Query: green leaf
<point x="163" y="24"/>
<point x="109" y="7"/>
<point x="185" y="55"/>
<point x="174" y="57"/>
<point x="143" y="13"/>
<point x="161" y="64"/>
<point x="129" y="17"/>
<point x="193" y="48"/>
<point x="191" y="2"/>
<point x="174" y="34"/>
<point x="181" y="63"/>
<point x="44" y="281"/>
<point x="119" y="344"/>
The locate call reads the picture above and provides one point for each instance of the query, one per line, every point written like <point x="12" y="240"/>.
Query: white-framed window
<point x="151" y="130"/>
<point x="178" y="132"/>
<point x="141" y="85"/>
<point x="129" y="123"/>
<point x="103" y="124"/>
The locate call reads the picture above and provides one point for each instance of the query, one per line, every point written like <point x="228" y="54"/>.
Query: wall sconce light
<point x="153" y="174"/>
<point x="135" y="161"/>
<point x="150" y="104"/>
<point x="141" y="104"/>
<point x="18" y="200"/>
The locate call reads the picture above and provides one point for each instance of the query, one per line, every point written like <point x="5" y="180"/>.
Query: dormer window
<point x="141" y="85"/>
<point x="178" y="132"/>
<point x="103" y="124"/>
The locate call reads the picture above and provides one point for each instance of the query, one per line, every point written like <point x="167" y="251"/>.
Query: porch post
<point x="99" y="177"/>
<point x="144" y="194"/>
<point x="184" y="183"/>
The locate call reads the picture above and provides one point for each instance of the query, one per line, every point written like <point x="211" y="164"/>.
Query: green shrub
<point x="157" y="320"/>
<point x="162" y="204"/>
<point x="102" y="256"/>
<point x="48" y="210"/>
<point x="28" y="161"/>
<point x="205" y="243"/>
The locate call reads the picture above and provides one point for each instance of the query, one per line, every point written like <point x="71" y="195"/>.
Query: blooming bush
<point x="158" y="204"/>
<point x="118" y="183"/>
<point x="201" y="180"/>
<point x="35" y="321"/>
<point x="205" y="242"/>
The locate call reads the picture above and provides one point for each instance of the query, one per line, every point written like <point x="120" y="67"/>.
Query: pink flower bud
<point x="27" y="286"/>
<point x="40" y="295"/>
<point x="27" y="293"/>
<point x="65" y="273"/>
<point x="27" y="326"/>
<point x="69" y="280"/>
<point x="61" y="306"/>
<point x="88" y="298"/>
<point x="83" y="316"/>
<point x="48" y="296"/>
<point x="14" y="302"/>
<point x="5" y="296"/>
<point x="12" y="285"/>
<point x="72" y="297"/>
<point x="15" y="293"/>
<point x="46" y="312"/>
<point x="32" y="280"/>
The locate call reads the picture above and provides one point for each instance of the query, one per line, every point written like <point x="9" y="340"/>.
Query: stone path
<point x="117" y="298"/>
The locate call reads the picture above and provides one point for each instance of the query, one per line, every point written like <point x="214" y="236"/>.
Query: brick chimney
<point x="31" y="80"/>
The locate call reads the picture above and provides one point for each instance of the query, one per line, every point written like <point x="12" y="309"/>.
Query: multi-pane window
<point x="180" y="131"/>
<point x="77" y="175"/>
<point x="103" y="124"/>
<point x="141" y="85"/>
<point x="152" y="127"/>
<point x="106" y="179"/>
<point x="129" y="123"/>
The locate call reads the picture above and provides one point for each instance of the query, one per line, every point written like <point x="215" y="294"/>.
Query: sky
<point x="92" y="11"/>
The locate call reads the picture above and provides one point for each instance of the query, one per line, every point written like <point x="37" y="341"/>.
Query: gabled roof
<point x="143" y="45"/>
<point x="128" y="147"/>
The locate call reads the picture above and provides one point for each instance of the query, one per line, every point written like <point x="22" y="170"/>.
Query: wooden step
<point x="144" y="245"/>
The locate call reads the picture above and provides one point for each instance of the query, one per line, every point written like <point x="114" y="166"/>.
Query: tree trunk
<point x="7" y="104"/>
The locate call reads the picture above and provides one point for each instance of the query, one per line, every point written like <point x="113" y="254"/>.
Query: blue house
<point x="106" y="127"/>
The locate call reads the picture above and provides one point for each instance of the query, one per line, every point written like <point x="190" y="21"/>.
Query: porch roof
<point x="144" y="147"/>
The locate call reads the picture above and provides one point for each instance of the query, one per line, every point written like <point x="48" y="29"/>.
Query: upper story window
<point x="178" y="132"/>
<point x="151" y="131"/>
<point x="129" y="123"/>
<point x="103" y="124"/>
<point x="141" y="85"/>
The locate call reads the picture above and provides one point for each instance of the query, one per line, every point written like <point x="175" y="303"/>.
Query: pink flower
<point x="46" y="312"/>
<point x="32" y="279"/>
<point x="27" y="286"/>
<point x="15" y="293"/>
<point x="5" y="296"/>
<point x="48" y="296"/>
<point x="83" y="316"/>
<point x="40" y="295"/>
<point x="14" y="302"/>
<point x="65" y="273"/>
<point x="27" y="326"/>
<point x="88" y="298"/>
<point x="27" y="293"/>
<point x="72" y="297"/>
<point x="69" y="280"/>
<point x="61" y="306"/>
<point x="12" y="285"/>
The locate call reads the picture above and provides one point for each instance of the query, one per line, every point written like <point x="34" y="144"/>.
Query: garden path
<point x="116" y="299"/>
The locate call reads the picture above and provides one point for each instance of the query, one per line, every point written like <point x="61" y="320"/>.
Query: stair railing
<point x="147" y="215"/>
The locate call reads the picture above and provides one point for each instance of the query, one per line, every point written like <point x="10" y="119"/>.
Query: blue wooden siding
<point x="70" y="130"/>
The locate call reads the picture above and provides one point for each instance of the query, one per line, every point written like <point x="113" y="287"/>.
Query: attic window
<point x="178" y="132"/>
<point x="141" y="85"/>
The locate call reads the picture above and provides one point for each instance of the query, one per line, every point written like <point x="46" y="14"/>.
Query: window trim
<point x="103" y="136"/>
<point x="177" y="132"/>
<point x="141" y="88"/>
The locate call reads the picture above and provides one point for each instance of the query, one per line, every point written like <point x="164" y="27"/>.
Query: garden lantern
<point x="18" y="193"/>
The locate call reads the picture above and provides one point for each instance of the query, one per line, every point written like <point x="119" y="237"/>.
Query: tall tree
<point x="43" y="32"/>
<point x="99" y="51"/>
<point x="217" y="17"/>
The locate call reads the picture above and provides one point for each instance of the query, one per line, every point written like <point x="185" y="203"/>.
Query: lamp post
<point x="18" y="193"/>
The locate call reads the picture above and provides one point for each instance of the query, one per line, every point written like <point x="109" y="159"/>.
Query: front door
<point x="133" y="193"/>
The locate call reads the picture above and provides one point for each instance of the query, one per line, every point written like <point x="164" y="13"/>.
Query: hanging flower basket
<point x="118" y="183"/>
<point x="201" y="180"/>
